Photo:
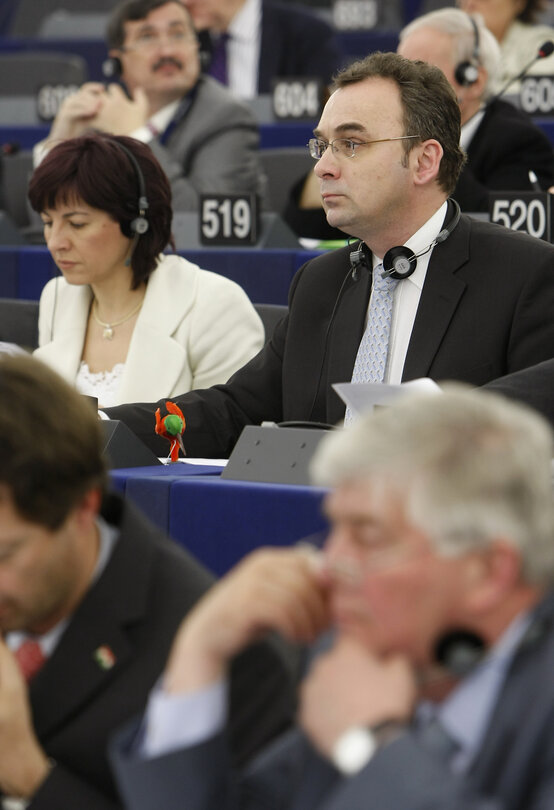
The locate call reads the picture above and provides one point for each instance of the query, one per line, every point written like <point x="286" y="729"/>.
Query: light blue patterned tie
<point x="371" y="361"/>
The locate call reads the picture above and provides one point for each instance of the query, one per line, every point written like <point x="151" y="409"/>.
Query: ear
<point x="88" y="508"/>
<point x="425" y="161"/>
<point x="491" y="575"/>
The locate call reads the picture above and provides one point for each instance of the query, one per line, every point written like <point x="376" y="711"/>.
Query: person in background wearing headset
<point x="127" y="322"/>
<point x="205" y="139"/>
<point x="501" y="142"/>
<point x="515" y="26"/>
<point x="435" y="690"/>
<point x="471" y="301"/>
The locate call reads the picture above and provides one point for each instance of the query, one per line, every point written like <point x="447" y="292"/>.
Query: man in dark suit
<point x="264" y="40"/>
<point x="502" y="143"/>
<point x="477" y="306"/>
<point x="435" y="689"/>
<point x="205" y="138"/>
<point x="90" y="598"/>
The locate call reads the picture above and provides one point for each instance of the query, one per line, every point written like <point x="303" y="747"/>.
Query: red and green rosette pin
<point x="171" y="427"/>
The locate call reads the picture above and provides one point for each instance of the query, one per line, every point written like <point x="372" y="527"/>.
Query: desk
<point x="265" y="275"/>
<point x="218" y="520"/>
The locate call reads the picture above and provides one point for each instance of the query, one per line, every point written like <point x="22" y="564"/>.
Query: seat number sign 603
<point x="528" y="211"/>
<point x="229" y="219"/>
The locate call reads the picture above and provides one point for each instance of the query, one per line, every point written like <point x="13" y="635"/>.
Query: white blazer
<point x="195" y="329"/>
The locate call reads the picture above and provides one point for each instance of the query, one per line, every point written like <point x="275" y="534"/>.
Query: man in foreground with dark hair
<point x="90" y="598"/>
<point x="425" y="293"/>
<point x="435" y="690"/>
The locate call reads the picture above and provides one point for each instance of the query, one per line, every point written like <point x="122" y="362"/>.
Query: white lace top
<point x="100" y="384"/>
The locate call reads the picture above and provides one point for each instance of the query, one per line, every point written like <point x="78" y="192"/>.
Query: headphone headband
<point x="139" y="225"/>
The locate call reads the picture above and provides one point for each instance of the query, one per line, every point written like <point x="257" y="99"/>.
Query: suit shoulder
<point x="216" y="102"/>
<point x="499" y="238"/>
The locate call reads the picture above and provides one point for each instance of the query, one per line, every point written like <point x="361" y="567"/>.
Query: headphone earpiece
<point x="112" y="68"/>
<point x="399" y="262"/>
<point x="459" y="651"/>
<point x="467" y="73"/>
<point x="139" y="225"/>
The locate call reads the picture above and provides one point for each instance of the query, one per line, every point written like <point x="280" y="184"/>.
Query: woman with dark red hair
<point x="127" y="323"/>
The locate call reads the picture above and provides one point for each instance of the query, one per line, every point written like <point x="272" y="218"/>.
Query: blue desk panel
<point x="265" y="275"/>
<point x="218" y="520"/>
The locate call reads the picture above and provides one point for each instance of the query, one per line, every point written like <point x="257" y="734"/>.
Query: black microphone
<point x="545" y="50"/>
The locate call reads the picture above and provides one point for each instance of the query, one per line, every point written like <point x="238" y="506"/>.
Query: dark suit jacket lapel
<point x="345" y="336"/>
<point x="521" y="712"/>
<point x="440" y="297"/>
<point x="271" y="31"/>
<point x="75" y="673"/>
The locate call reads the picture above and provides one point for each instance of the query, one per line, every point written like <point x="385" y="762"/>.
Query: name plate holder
<point x="229" y="219"/>
<point x="273" y="455"/>
<point x="527" y="211"/>
<point x="49" y="99"/>
<point x="297" y="98"/>
<point x="536" y="95"/>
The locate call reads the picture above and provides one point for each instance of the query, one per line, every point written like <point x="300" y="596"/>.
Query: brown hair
<point x="50" y="442"/>
<point x="97" y="170"/>
<point x="133" y="10"/>
<point x="429" y="103"/>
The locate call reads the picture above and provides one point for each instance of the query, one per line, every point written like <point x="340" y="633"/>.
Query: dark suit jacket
<point x="506" y="145"/>
<point x="512" y="770"/>
<point x="133" y="610"/>
<point x="533" y="385"/>
<point x="486" y="309"/>
<point x="295" y="42"/>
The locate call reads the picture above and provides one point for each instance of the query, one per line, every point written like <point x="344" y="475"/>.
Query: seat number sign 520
<point x="523" y="211"/>
<point x="228" y="219"/>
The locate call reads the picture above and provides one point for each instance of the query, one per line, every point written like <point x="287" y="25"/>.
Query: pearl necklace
<point x="107" y="334"/>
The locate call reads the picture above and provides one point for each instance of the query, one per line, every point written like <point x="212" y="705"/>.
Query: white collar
<point x="244" y="26"/>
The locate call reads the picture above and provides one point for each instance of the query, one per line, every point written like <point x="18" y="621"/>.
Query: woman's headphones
<point x="139" y="225"/>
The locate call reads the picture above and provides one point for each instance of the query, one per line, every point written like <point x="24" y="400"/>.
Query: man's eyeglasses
<point x="150" y="41"/>
<point x="345" y="146"/>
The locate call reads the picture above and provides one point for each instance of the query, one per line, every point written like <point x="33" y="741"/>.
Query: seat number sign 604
<point x="528" y="211"/>
<point x="228" y="219"/>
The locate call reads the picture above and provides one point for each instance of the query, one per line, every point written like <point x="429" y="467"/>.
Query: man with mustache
<point x="205" y="139"/>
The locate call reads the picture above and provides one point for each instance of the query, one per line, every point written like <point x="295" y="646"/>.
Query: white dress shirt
<point x="243" y="49"/>
<point x="407" y="295"/>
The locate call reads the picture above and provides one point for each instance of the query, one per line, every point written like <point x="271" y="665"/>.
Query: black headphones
<point x="400" y="262"/>
<point x="112" y="68"/>
<point x="139" y="225"/>
<point x="467" y="72"/>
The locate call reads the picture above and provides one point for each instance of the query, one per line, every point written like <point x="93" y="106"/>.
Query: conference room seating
<point x="270" y="314"/>
<point x="15" y="172"/>
<point x="19" y="322"/>
<point x="283" y="166"/>
<point x="29" y="15"/>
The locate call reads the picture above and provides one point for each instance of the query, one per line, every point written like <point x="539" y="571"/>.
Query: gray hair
<point x="470" y="465"/>
<point x="457" y="24"/>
